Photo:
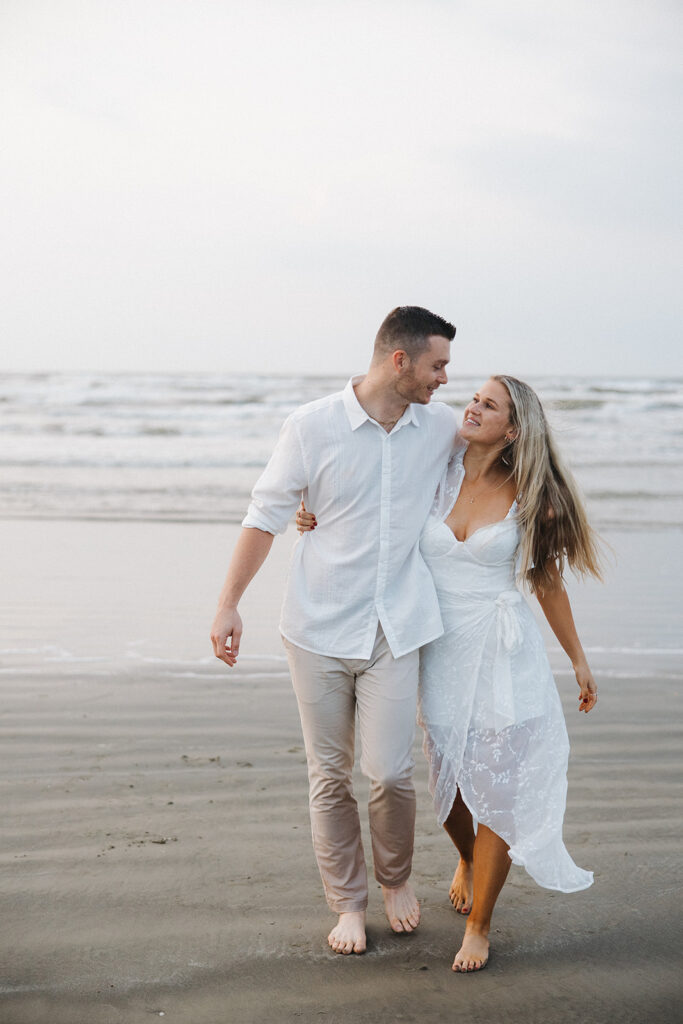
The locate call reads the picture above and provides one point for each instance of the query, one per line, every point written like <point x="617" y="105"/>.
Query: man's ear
<point x="400" y="360"/>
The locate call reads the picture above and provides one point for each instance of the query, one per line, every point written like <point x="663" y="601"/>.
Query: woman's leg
<point x="459" y="826"/>
<point x="491" y="866"/>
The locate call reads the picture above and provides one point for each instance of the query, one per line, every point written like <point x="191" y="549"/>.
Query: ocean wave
<point x="629" y="673"/>
<point x="625" y="386"/>
<point x="640" y="651"/>
<point x="56" y="652"/>
<point x="232" y="514"/>
<point x="576" y="403"/>
<point x="79" y="444"/>
<point x="657" y="495"/>
<point x="150" y="430"/>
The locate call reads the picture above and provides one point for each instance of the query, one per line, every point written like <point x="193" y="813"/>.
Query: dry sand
<point x="155" y="848"/>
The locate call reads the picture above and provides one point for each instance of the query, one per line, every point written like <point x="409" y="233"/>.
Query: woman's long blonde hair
<point x="550" y="512"/>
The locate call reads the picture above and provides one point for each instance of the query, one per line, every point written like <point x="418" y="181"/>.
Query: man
<point x="359" y="601"/>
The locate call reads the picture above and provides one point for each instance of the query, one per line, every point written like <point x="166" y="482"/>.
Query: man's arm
<point x="274" y="500"/>
<point x="248" y="557"/>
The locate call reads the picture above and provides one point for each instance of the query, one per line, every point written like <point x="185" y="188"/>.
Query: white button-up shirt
<point x="371" y="493"/>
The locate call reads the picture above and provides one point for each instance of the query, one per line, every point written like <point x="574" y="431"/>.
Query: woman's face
<point x="487" y="417"/>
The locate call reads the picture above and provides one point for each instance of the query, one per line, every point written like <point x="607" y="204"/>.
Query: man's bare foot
<point x="348" y="935"/>
<point x="473" y="955"/>
<point x="461" y="891"/>
<point x="402" y="908"/>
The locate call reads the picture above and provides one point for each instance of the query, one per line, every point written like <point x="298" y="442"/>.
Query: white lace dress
<point x="491" y="714"/>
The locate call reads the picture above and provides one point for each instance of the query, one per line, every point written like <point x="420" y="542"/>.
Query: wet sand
<point x="155" y="848"/>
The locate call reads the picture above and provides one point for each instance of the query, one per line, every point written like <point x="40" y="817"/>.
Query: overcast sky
<point x="251" y="186"/>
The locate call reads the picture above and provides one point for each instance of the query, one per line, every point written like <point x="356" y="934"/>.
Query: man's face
<point x="419" y="378"/>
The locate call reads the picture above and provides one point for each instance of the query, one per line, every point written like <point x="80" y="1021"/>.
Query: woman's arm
<point x="558" y="612"/>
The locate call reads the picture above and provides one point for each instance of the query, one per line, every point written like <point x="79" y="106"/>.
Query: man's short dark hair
<point x="409" y="328"/>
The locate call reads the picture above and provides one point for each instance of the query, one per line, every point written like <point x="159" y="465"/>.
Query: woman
<point x="506" y="510"/>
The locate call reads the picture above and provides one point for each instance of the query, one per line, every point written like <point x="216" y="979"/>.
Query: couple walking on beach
<point x="417" y="532"/>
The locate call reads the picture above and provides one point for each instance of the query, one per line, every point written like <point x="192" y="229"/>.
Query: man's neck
<point x="380" y="399"/>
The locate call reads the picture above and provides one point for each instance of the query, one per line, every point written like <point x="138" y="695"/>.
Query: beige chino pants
<point x="383" y="691"/>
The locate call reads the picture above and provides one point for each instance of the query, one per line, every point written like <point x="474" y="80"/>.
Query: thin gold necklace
<point x="488" y="490"/>
<point x="388" y="424"/>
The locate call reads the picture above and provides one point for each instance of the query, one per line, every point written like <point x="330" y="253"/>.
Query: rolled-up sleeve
<point x="277" y="492"/>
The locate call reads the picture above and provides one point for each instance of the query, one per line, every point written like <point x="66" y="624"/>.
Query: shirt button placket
<point x="384" y="523"/>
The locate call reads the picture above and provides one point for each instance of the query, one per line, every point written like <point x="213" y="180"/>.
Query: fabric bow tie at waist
<point x="507" y="621"/>
<point x="508" y="640"/>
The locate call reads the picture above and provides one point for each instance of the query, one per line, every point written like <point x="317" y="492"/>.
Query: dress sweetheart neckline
<point x="486" y="526"/>
<point x="460" y="458"/>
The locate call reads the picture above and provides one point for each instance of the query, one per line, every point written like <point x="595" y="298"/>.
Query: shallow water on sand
<point x="131" y="593"/>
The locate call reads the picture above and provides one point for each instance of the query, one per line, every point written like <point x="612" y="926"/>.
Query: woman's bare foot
<point x="462" y="891"/>
<point x="473" y="955"/>
<point x="402" y="908"/>
<point x="348" y="935"/>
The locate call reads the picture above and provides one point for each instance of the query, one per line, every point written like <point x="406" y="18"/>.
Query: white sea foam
<point x="268" y="666"/>
<point x="647" y="652"/>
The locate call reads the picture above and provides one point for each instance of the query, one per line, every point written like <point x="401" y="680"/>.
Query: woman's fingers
<point x="587" y="700"/>
<point x="305" y="521"/>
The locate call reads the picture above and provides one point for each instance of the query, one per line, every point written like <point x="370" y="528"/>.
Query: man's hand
<point x="247" y="558"/>
<point x="227" y="626"/>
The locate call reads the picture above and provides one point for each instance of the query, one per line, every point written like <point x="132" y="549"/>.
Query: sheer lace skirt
<point x="513" y="779"/>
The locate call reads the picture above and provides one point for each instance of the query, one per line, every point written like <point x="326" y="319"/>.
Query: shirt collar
<point x="357" y="414"/>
